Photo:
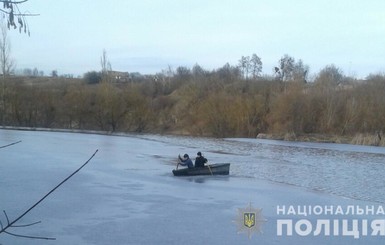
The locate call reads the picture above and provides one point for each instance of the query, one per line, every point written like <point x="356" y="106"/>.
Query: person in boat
<point x="185" y="161"/>
<point x="200" y="160"/>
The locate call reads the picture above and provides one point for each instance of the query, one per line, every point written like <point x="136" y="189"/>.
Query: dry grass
<point x="367" y="139"/>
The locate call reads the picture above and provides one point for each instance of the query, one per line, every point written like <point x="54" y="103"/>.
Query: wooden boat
<point x="212" y="169"/>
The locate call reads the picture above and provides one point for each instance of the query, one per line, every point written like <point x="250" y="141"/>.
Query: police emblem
<point x="249" y="220"/>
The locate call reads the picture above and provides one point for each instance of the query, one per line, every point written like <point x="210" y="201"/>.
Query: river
<point x="351" y="171"/>
<point x="127" y="194"/>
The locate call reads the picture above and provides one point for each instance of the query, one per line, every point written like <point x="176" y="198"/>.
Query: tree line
<point x="221" y="103"/>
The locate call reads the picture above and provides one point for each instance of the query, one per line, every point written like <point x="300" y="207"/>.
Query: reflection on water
<point x="356" y="172"/>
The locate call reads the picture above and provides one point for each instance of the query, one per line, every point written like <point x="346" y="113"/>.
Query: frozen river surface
<point x="127" y="194"/>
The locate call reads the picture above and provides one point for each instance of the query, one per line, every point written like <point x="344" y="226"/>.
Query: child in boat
<point x="185" y="161"/>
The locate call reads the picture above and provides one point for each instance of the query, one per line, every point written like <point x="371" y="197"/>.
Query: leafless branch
<point x="15" y="18"/>
<point x="13" y="2"/>
<point x="20" y="226"/>
<point x="11" y="224"/>
<point x="10" y="144"/>
<point x="6" y="216"/>
<point x="31" y="237"/>
<point x="19" y="14"/>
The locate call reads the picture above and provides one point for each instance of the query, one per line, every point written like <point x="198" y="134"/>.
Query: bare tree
<point x="256" y="65"/>
<point x="7" y="64"/>
<point x="106" y="66"/>
<point x="286" y="67"/>
<point x="245" y="65"/>
<point x="289" y="70"/>
<point x="330" y="75"/>
<point x="242" y="65"/>
<point x="54" y="73"/>
<point x="198" y="71"/>
<point x="300" y="71"/>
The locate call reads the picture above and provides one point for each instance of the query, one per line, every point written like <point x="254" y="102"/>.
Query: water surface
<point x="128" y="195"/>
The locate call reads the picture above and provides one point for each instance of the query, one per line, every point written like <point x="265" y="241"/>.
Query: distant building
<point x="119" y="76"/>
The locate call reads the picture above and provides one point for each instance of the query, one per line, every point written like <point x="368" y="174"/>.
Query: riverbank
<point x="209" y="106"/>
<point x="358" y="139"/>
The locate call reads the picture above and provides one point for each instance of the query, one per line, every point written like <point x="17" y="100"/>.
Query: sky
<point x="147" y="36"/>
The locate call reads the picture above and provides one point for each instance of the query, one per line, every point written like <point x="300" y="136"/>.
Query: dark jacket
<point x="186" y="162"/>
<point x="200" y="162"/>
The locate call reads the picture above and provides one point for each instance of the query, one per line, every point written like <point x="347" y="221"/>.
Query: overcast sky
<point x="148" y="35"/>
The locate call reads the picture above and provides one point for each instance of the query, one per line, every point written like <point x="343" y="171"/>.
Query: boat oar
<point x="177" y="164"/>
<point x="208" y="165"/>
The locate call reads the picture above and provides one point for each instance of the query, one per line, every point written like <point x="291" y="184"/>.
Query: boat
<point x="212" y="169"/>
